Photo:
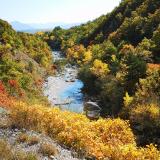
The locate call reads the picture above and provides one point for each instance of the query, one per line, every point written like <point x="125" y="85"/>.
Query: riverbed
<point x="64" y="89"/>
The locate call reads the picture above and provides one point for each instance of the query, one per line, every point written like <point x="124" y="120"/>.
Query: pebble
<point x="52" y="157"/>
<point x="16" y="130"/>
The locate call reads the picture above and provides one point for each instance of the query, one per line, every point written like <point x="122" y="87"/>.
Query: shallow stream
<point x="64" y="89"/>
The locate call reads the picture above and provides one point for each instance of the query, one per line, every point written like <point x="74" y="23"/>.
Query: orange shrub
<point x="6" y="101"/>
<point x="153" y="66"/>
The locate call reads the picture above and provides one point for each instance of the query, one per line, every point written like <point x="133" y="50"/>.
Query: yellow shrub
<point x="105" y="138"/>
<point x="87" y="57"/>
<point x="146" y="115"/>
<point x="127" y="100"/>
<point x="99" y="68"/>
<point x="79" y="54"/>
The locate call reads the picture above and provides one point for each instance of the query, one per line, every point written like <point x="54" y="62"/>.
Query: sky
<point x="44" y="11"/>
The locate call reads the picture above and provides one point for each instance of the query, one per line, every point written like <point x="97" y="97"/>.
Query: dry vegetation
<point x="47" y="149"/>
<point x="8" y="153"/>
<point x="33" y="140"/>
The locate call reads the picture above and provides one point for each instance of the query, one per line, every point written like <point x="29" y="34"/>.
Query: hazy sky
<point x="42" y="11"/>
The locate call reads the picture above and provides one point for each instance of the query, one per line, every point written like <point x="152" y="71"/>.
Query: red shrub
<point x="13" y="83"/>
<point x="21" y="93"/>
<point x="2" y="88"/>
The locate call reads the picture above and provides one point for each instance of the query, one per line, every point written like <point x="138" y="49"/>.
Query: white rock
<point x="52" y="157"/>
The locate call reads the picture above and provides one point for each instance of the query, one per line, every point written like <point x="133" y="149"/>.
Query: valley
<point x="46" y="78"/>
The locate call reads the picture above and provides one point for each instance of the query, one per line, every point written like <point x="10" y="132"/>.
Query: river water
<point x="64" y="89"/>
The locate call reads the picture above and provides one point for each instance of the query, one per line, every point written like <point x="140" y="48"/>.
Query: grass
<point x="7" y="153"/>
<point x="20" y="155"/>
<point x="30" y="140"/>
<point x="4" y="124"/>
<point x="33" y="140"/>
<point x="23" y="137"/>
<point x="47" y="149"/>
<point x="5" y="150"/>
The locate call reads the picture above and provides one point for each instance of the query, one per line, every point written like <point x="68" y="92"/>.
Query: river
<point x="64" y="89"/>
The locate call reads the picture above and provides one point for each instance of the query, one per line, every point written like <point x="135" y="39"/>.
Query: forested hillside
<point x="62" y="39"/>
<point x="130" y="23"/>
<point x="119" y="59"/>
<point x="24" y="61"/>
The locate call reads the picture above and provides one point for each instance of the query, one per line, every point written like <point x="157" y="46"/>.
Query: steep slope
<point x="133" y="18"/>
<point x="114" y="20"/>
<point x="64" y="38"/>
<point x="24" y="61"/>
<point x="129" y="23"/>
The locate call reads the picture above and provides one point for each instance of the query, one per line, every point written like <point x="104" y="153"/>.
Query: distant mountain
<point x="34" y="27"/>
<point x="18" y="26"/>
<point x="53" y="25"/>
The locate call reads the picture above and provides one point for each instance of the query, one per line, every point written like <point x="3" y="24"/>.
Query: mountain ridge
<point x="35" y="27"/>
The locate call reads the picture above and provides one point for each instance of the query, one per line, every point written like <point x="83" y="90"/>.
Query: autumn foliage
<point x="105" y="138"/>
<point x="153" y="66"/>
<point x="79" y="54"/>
<point x="2" y="88"/>
<point x="13" y="83"/>
<point x="99" y="68"/>
<point x="5" y="100"/>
